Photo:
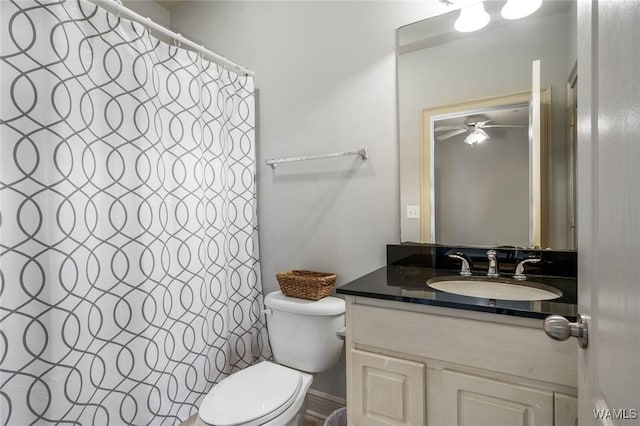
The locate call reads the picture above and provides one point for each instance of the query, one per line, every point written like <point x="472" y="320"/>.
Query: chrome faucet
<point x="519" y="273"/>
<point x="465" y="271"/>
<point x="492" y="272"/>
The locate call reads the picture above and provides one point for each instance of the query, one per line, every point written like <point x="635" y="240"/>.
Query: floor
<point x="191" y="421"/>
<point x="309" y="421"/>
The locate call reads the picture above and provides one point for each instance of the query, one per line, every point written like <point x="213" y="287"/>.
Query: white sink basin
<point x="488" y="288"/>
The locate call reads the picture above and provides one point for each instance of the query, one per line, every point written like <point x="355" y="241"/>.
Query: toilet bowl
<point x="303" y="339"/>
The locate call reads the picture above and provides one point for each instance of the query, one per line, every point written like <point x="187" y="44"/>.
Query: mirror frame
<point x="538" y="159"/>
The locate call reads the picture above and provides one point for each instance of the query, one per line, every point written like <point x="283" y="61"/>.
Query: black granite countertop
<point x="409" y="284"/>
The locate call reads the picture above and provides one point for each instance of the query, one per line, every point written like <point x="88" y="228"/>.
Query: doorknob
<point x="559" y="328"/>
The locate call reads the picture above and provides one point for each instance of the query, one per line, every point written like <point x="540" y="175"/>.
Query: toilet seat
<point x="252" y="396"/>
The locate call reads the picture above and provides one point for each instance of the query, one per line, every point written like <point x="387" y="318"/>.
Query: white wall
<point x="325" y="72"/>
<point x="151" y="9"/>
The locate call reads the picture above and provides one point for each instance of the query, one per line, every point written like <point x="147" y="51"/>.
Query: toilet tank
<point x="302" y="333"/>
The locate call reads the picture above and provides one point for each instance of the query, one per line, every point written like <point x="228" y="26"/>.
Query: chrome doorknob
<point x="559" y="328"/>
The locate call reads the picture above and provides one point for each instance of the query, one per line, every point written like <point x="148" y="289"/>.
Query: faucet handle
<point x="465" y="271"/>
<point x="519" y="272"/>
<point x="493" y="271"/>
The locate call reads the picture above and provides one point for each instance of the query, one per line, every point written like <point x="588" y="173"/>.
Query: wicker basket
<point x="306" y="284"/>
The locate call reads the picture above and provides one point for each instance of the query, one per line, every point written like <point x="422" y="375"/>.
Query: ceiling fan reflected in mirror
<point x="474" y="128"/>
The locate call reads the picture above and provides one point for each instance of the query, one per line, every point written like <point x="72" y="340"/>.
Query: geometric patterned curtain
<point x="129" y="271"/>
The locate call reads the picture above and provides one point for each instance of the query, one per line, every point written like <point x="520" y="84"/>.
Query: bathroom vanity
<point x="418" y="356"/>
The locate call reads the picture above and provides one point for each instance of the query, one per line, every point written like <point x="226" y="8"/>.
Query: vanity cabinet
<point x="415" y="365"/>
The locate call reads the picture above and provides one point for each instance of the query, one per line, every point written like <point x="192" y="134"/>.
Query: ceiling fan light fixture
<point x="516" y="9"/>
<point x="476" y="136"/>
<point x="472" y="18"/>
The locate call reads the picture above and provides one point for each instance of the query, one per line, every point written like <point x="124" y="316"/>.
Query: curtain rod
<point x="116" y="7"/>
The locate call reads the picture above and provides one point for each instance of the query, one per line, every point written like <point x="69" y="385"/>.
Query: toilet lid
<point x="260" y="392"/>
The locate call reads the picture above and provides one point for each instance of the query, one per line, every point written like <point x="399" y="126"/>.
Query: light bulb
<point x="476" y="136"/>
<point x="516" y="9"/>
<point x="472" y="18"/>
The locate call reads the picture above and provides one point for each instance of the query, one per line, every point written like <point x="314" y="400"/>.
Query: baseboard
<point x="320" y="405"/>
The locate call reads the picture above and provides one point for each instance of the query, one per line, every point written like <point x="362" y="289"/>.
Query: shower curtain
<point x="129" y="272"/>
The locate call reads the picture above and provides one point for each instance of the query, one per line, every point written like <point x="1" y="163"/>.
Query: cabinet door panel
<point x="566" y="410"/>
<point x="386" y="391"/>
<point x="477" y="401"/>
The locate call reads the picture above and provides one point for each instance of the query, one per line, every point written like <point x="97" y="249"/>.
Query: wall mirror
<point x="511" y="84"/>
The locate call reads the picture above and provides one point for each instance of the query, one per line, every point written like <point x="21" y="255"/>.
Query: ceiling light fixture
<point x="516" y="9"/>
<point x="472" y="18"/>
<point x="476" y="136"/>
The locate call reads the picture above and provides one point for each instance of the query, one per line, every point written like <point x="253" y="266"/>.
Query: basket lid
<point x="323" y="307"/>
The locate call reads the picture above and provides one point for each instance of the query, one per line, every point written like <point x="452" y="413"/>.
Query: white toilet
<point x="303" y="339"/>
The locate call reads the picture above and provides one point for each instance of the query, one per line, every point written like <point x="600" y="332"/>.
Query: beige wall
<point x="325" y="72"/>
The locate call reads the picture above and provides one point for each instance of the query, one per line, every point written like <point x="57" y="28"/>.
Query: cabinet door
<point x="386" y="391"/>
<point x="566" y="410"/>
<point x="477" y="401"/>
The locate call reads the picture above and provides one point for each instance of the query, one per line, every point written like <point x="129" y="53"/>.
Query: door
<point x="389" y="391"/>
<point x="609" y="209"/>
